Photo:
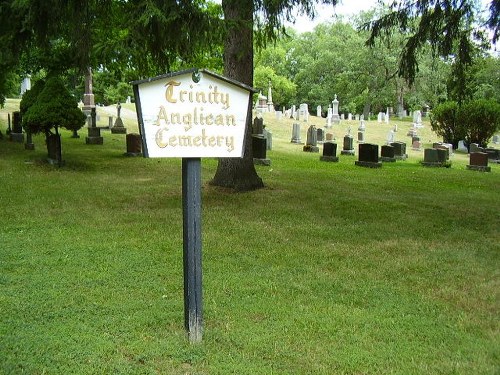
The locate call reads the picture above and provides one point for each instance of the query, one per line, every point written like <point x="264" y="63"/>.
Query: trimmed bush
<point x="481" y="119"/>
<point x="54" y="107"/>
<point x="444" y="123"/>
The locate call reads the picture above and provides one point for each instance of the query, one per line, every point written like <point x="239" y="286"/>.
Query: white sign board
<point x="192" y="114"/>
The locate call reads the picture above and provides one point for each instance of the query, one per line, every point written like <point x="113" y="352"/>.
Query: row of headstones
<point x="368" y="155"/>
<point x="16" y="134"/>
<point x="318" y="135"/>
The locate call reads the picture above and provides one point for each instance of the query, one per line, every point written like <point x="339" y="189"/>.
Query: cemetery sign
<point x="192" y="113"/>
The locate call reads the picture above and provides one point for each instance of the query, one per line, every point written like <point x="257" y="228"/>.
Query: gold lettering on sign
<point x="169" y="92"/>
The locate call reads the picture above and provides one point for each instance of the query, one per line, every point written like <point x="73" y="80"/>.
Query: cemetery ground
<point x="330" y="269"/>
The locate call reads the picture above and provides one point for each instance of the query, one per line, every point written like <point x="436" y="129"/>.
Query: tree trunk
<point x="236" y="173"/>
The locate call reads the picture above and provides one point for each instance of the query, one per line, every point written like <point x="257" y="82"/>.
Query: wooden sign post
<point x="192" y="114"/>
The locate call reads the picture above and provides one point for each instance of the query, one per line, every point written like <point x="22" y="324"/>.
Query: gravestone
<point x="439" y="146"/>
<point x="296" y="134"/>
<point x="361" y="137"/>
<point x="462" y="147"/>
<point x="259" y="149"/>
<point x="380" y="117"/>
<point x="387" y="116"/>
<point x="304" y="112"/>
<point x="88" y="96"/>
<point x="329" y="137"/>
<point x="320" y="135"/>
<point x="399" y="150"/>
<point x="387" y="153"/>
<point x="417" y="119"/>
<point x="348" y="148"/>
<point x="270" y="104"/>
<point x="269" y="139"/>
<point x="279" y="115"/>
<point x="25" y="84"/>
<point x="118" y="128"/>
<point x="362" y="126"/>
<point x="16" y="134"/>
<point x="54" y="149"/>
<point x="134" y="144"/>
<point x="496" y="139"/>
<point x="493" y="153"/>
<point x="94" y="133"/>
<point x="434" y="157"/>
<point x="416" y="145"/>
<point x="335" y="111"/>
<point x="258" y="125"/>
<point x="329" y="152"/>
<point x="474" y="147"/>
<point x="368" y="156"/>
<point x="312" y="140"/>
<point x="318" y="111"/>
<point x="390" y="137"/>
<point x="478" y="161"/>
<point x="29" y="145"/>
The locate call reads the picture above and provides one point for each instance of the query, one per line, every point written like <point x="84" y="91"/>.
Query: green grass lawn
<point x="330" y="269"/>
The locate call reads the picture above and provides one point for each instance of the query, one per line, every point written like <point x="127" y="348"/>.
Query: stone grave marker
<point x="296" y="134"/>
<point x="399" y="150"/>
<point x="434" y="157"/>
<point x="312" y="140"/>
<point x="269" y="139"/>
<point x="387" y="153"/>
<point x="368" y="156"/>
<point x="134" y="144"/>
<point x="329" y="152"/>
<point x="16" y="134"/>
<point x="118" y="127"/>
<point x="478" y="161"/>
<point x="474" y="147"/>
<point x="94" y="133"/>
<point x="320" y="135"/>
<point x="348" y="148"/>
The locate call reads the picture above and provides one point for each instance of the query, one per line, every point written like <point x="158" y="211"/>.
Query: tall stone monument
<point x="88" y="96"/>
<point x="335" y="111"/>
<point x="270" y="105"/>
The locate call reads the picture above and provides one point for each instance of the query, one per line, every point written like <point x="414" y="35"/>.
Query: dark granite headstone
<point x="399" y="150"/>
<point x="16" y="134"/>
<point x="320" y="135"/>
<point x="368" y="155"/>
<point x="387" y="153"/>
<point x="258" y="125"/>
<point x="134" y="144"/>
<point x="329" y="152"/>
<point x="478" y="161"/>
<point x="348" y="148"/>
<point x="436" y="157"/>
<point x="259" y="149"/>
<point x="431" y="155"/>
<point x="54" y="149"/>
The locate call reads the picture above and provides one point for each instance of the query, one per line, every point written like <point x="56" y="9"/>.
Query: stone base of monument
<point x="479" y="168"/>
<point x="29" y="146"/>
<point x="266" y="162"/>
<point x="310" y="148"/>
<point x="333" y="159"/>
<point x="119" y="128"/>
<point x="368" y="164"/>
<point x="347" y="152"/>
<point x="94" y="137"/>
<point x="387" y="159"/>
<point x="17" y="137"/>
<point x="446" y="164"/>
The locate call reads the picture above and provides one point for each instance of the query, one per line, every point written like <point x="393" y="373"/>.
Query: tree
<point x="481" y="119"/>
<point x="444" y="123"/>
<point x="450" y="27"/>
<point x="52" y="108"/>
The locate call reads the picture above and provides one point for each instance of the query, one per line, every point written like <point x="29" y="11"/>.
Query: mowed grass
<point x="330" y="269"/>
